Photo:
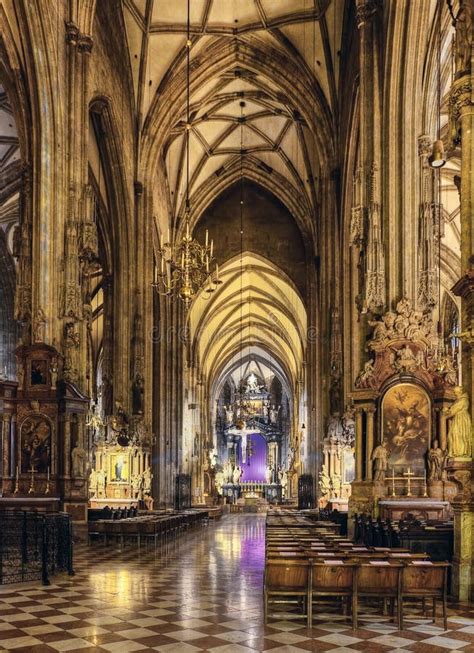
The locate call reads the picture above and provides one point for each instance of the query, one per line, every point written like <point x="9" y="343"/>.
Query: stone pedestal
<point x="459" y="472"/>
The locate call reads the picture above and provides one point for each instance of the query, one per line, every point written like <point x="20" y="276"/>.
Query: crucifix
<point x="32" y="485"/>
<point x="409" y="475"/>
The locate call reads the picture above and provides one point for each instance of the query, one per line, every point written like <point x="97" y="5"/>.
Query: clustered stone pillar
<point x="369" y="23"/>
<point x="461" y="119"/>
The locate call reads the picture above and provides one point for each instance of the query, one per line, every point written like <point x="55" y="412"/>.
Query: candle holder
<point x="17" y="483"/>
<point x="31" y="489"/>
<point x="393" y="483"/>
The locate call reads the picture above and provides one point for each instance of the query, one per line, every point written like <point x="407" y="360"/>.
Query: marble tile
<point x="203" y="593"/>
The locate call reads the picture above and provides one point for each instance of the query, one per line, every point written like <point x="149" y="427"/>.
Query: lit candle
<point x="48" y="475"/>
<point x="162" y="265"/>
<point x="217" y="271"/>
<point x="161" y="240"/>
<point x="187" y="229"/>
<point x="207" y="263"/>
<point x="168" y="235"/>
<point x="17" y="473"/>
<point x="212" y="247"/>
<point x="207" y="237"/>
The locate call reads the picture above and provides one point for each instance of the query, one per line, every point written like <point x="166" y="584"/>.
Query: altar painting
<point x="119" y="471"/>
<point x="406" y="424"/>
<point x="35" y="445"/>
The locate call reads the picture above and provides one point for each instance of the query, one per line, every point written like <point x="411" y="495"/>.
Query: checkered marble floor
<point x="203" y="593"/>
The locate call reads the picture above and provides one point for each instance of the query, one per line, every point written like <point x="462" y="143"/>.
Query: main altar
<point x="253" y="457"/>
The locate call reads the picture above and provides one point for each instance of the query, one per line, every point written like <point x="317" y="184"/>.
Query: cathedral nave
<point x="236" y="325"/>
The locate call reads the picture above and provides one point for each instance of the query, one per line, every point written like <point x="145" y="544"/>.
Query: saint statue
<point x="237" y="473"/>
<point x="460" y="429"/>
<point x="274" y="412"/>
<point x="219" y="482"/>
<point x="463" y="44"/>
<point x="324" y="482"/>
<point x="226" y="470"/>
<point x="78" y="456"/>
<point x="380" y="460"/>
<point x="101" y="483"/>
<point x="435" y="462"/>
<point x="93" y="482"/>
<point x="229" y="414"/>
<point x="268" y="474"/>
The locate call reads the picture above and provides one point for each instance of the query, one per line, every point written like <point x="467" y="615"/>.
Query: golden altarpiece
<point x="122" y="462"/>
<point x="407" y="409"/>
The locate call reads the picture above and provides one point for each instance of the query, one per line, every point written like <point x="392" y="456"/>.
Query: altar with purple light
<point x="252" y="447"/>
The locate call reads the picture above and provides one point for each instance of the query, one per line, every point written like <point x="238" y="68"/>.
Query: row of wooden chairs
<point x="154" y="528"/>
<point x="309" y="562"/>
<point x="309" y="580"/>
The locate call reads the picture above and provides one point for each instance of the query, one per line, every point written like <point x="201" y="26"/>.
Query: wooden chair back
<point x="379" y="579"/>
<point x="288" y="574"/>
<point x="429" y="578"/>
<point x="333" y="577"/>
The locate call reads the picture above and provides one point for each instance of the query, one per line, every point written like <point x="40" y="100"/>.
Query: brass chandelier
<point x="186" y="266"/>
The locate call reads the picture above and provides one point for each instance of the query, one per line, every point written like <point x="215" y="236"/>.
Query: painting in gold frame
<point x="119" y="470"/>
<point x="406" y="425"/>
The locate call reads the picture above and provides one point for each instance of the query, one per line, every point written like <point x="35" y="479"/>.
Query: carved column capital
<point x="460" y="100"/>
<point x="425" y="145"/>
<point x="74" y="37"/>
<point x="366" y="10"/>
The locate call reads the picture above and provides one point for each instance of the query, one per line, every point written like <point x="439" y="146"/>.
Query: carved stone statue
<point x="137" y="483"/>
<point x="101" y="483"/>
<point x="268" y="474"/>
<point x="137" y="394"/>
<point x="229" y="415"/>
<point x="334" y="430"/>
<point x="324" y="482"/>
<point x="39" y="326"/>
<point x="227" y="471"/>
<point x="365" y="377"/>
<point x="93" y="482"/>
<point x="79" y="458"/>
<point x="147" y="477"/>
<point x="237" y="473"/>
<point x="380" y="461"/>
<point x="460" y="428"/>
<point x="436" y="458"/>
<point x="71" y="346"/>
<point x="274" y="412"/>
<point x="405" y="360"/>
<point x="219" y="481"/>
<point x="348" y="426"/>
<point x="463" y="36"/>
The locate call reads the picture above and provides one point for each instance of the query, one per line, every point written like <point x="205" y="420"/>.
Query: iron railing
<point x="34" y="546"/>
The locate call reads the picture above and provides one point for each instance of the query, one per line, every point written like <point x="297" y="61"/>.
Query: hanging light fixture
<point x="186" y="266"/>
<point x="239" y="406"/>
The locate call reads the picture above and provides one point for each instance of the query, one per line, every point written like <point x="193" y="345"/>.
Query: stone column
<point x="7" y="459"/>
<point x="369" y="21"/>
<point x="370" y="442"/>
<point x="358" y="445"/>
<point x="461" y="123"/>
